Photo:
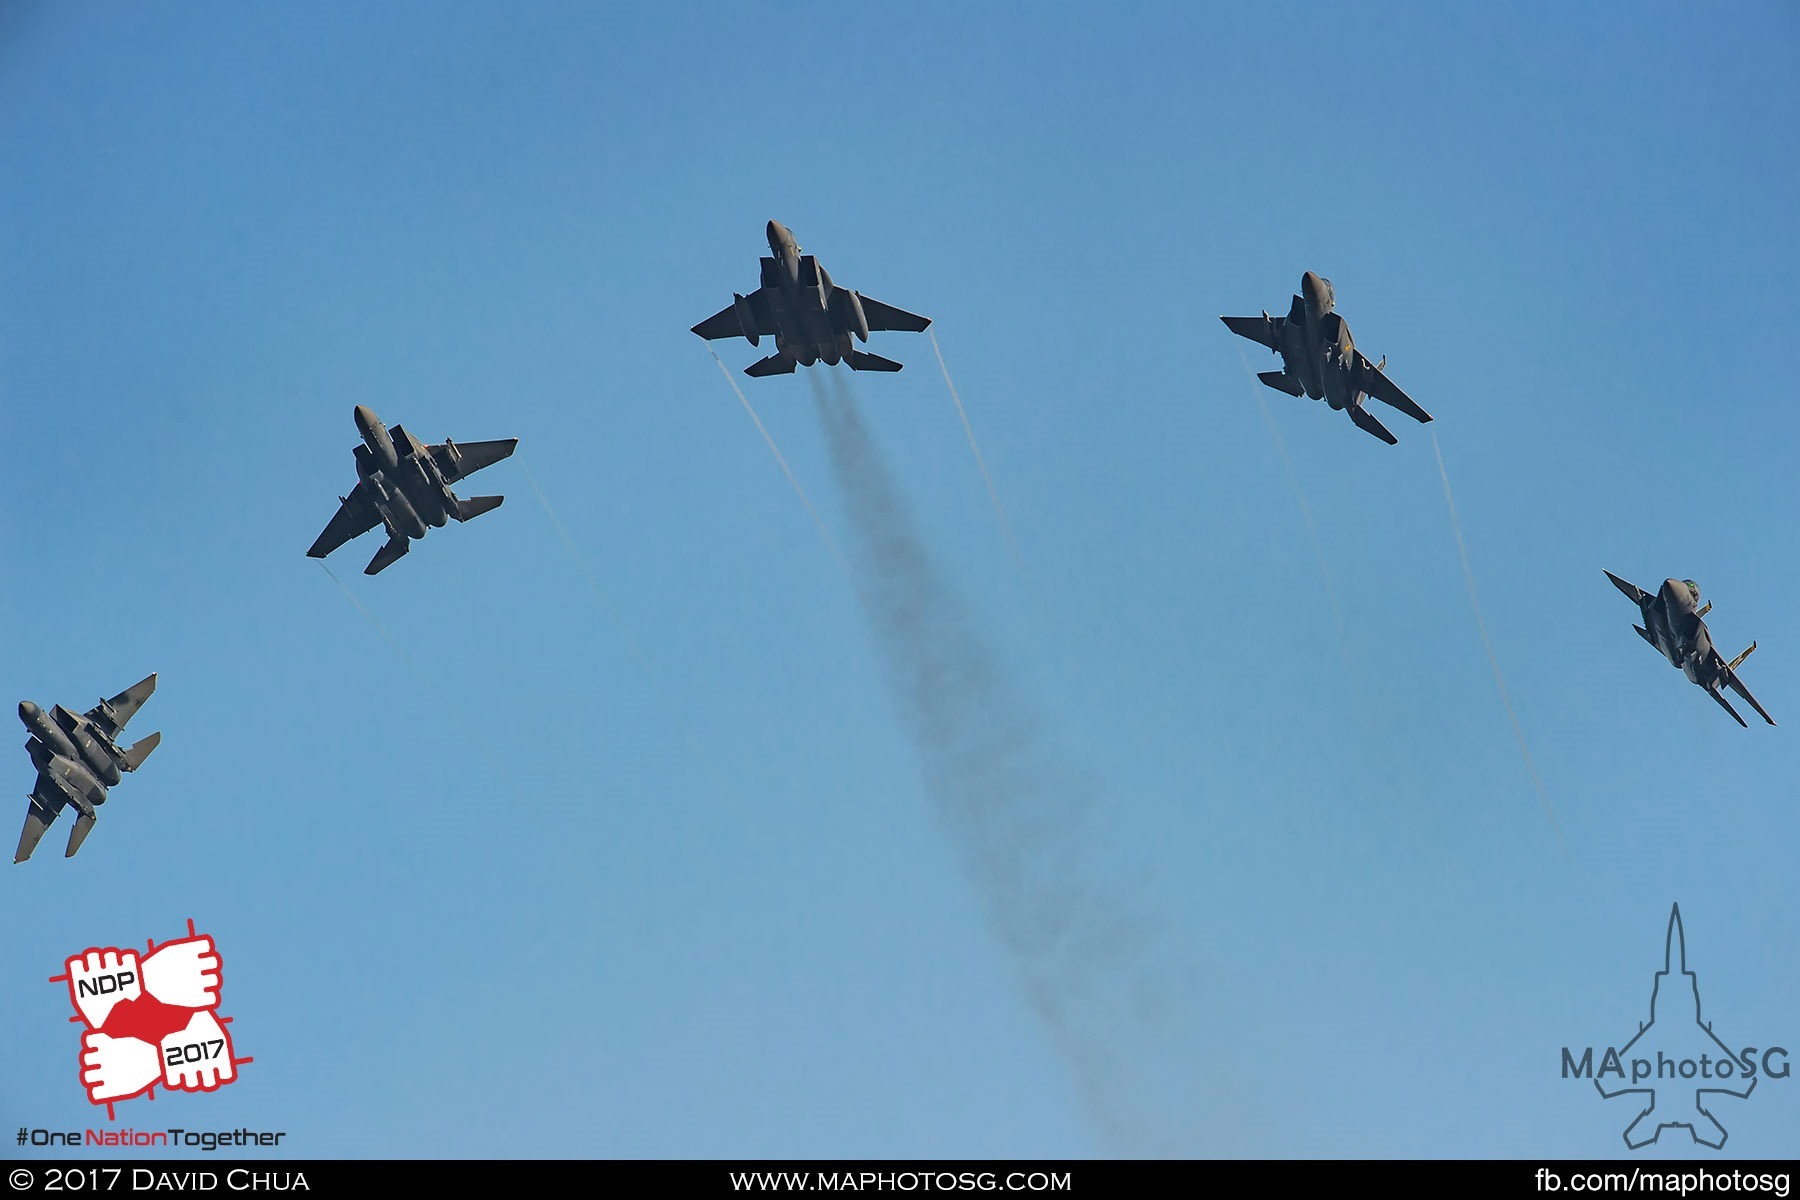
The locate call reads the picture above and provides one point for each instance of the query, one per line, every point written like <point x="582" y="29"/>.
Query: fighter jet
<point x="1320" y="360"/>
<point x="810" y="317"/>
<point x="77" y="759"/>
<point x="1672" y="624"/>
<point x="405" y="485"/>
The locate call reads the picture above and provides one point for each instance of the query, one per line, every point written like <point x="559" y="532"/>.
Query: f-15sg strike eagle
<point x="77" y="759"/>
<point x="1673" y="625"/>
<point x="403" y="484"/>
<point x="810" y="317"/>
<point x="1320" y="360"/>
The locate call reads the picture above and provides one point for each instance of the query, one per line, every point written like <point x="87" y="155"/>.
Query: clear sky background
<point x="650" y="861"/>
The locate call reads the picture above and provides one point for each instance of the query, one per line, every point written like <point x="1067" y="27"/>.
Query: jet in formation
<point x="810" y="317"/>
<point x="1672" y="624"/>
<point x="1320" y="360"/>
<point x="405" y="485"/>
<point x="77" y="759"/>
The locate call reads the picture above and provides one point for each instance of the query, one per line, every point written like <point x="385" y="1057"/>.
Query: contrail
<point x="580" y="559"/>
<point x="993" y="494"/>
<point x="1487" y="642"/>
<point x="1020" y="818"/>
<point x="477" y="736"/>
<point x="799" y="491"/>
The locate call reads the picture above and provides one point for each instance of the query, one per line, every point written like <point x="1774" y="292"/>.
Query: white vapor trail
<point x="969" y="430"/>
<point x="1487" y="642"/>
<point x="580" y="558"/>
<point x="824" y="534"/>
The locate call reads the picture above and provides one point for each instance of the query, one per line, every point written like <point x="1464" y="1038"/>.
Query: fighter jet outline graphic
<point x="1701" y="1125"/>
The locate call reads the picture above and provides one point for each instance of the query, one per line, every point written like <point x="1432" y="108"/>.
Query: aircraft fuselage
<point x="1673" y="619"/>
<point x="403" y="480"/>
<point x="799" y="294"/>
<point x="66" y="735"/>
<point x="1316" y="347"/>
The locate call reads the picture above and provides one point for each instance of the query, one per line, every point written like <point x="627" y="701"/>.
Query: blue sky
<point x="633" y="851"/>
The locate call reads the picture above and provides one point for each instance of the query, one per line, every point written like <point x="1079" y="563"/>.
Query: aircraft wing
<point x="46" y="802"/>
<point x="725" y="324"/>
<point x="355" y="516"/>
<point x="1633" y="592"/>
<point x="1261" y="329"/>
<point x="1387" y="391"/>
<point x="112" y="715"/>
<point x="459" y="460"/>
<point x="886" y="316"/>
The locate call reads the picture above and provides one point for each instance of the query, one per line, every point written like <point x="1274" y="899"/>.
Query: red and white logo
<point x="150" y="1018"/>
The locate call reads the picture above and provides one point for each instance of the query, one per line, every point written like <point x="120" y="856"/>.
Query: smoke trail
<point x="477" y="736"/>
<point x="1019" y="817"/>
<point x="580" y="560"/>
<point x="1487" y="642"/>
<point x="799" y="491"/>
<point x="994" y="495"/>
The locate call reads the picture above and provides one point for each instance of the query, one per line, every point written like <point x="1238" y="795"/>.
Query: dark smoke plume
<point x="1021" y="819"/>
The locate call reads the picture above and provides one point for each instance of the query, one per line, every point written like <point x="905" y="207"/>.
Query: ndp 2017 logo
<point x="150" y="1018"/>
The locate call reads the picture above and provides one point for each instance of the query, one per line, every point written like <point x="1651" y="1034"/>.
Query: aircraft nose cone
<point x="365" y="417"/>
<point x="29" y="712"/>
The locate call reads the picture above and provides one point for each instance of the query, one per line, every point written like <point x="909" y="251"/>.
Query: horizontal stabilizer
<point x="860" y="361"/>
<point x="140" y="750"/>
<point x="775" y="364"/>
<point x="31" y="835"/>
<point x="1645" y="634"/>
<point x="1733" y="664"/>
<point x="1365" y="421"/>
<point x="474" y="506"/>
<point x="1281" y="381"/>
<point x="78" y="835"/>
<point x="388" y="555"/>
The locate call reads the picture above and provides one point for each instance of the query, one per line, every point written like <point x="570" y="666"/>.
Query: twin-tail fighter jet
<point x="1320" y="360"/>
<point x="77" y="759"/>
<point x="810" y="317"/>
<point x="1673" y="625"/>
<point x="403" y="484"/>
